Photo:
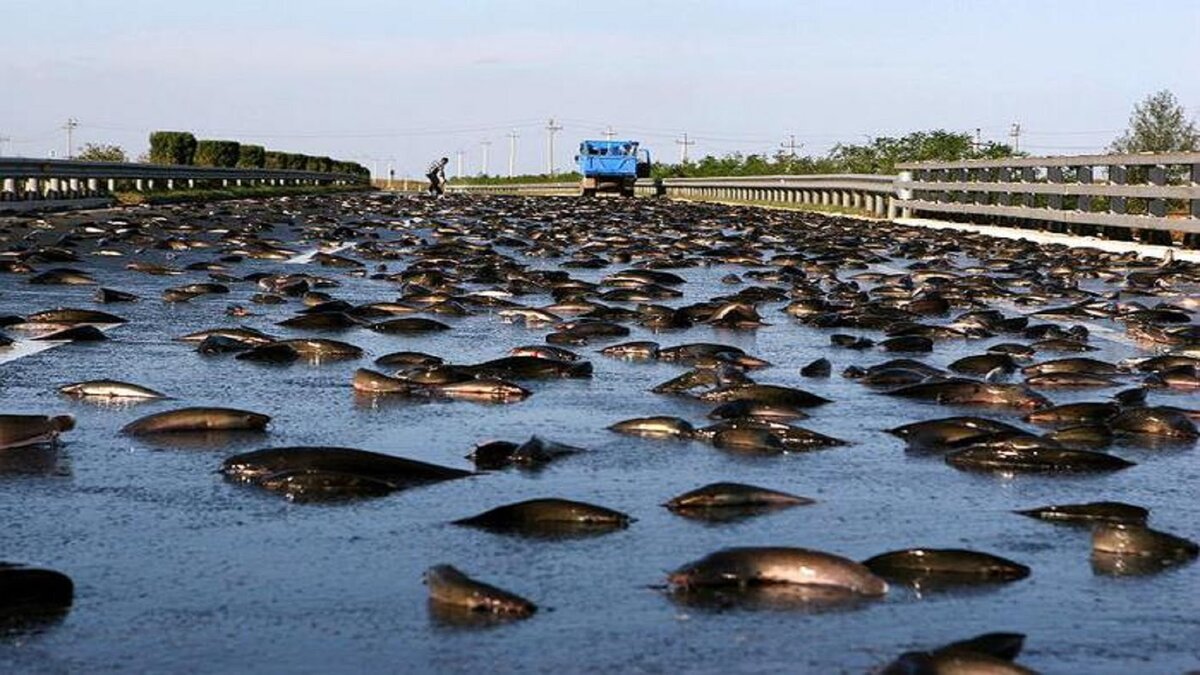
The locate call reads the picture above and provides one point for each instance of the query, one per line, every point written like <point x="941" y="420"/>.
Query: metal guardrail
<point x="532" y="189"/>
<point x="876" y="183"/>
<point x="869" y="193"/>
<point x="23" y="167"/>
<point x="1155" y="192"/>
<point x="24" y="180"/>
<point x="863" y="192"/>
<point x="1148" y="195"/>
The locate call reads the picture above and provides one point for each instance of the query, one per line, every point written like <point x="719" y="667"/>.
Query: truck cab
<point x="611" y="166"/>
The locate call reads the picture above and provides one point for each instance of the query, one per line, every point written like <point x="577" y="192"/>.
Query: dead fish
<point x="109" y="389"/>
<point x="17" y="431"/>
<point x="448" y="586"/>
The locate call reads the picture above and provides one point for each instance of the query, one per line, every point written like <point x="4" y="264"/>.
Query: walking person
<point x="437" y="177"/>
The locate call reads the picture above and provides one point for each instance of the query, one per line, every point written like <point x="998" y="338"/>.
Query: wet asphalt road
<point x="178" y="570"/>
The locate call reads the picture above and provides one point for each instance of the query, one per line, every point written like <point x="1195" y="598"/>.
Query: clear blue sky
<point x="378" y="79"/>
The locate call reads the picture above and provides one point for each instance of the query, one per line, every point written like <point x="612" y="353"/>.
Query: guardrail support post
<point x="1084" y="175"/>
<point x="1157" y="207"/>
<point x="10" y="190"/>
<point x="1116" y="176"/>
<point x="904" y="193"/>
<point x="1195" y="210"/>
<point x="1003" y="174"/>
<point x="1158" y="177"/>
<point x="1054" y="174"/>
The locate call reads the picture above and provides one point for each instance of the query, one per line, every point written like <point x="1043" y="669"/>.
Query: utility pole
<point x="391" y="173"/>
<point x="609" y="133"/>
<point x="70" y="127"/>
<point x="1015" y="134"/>
<point x="3" y="140"/>
<point x="483" y="165"/>
<point x="790" y="145"/>
<point x="512" y="151"/>
<point x="551" y="129"/>
<point x="683" y="144"/>
<point x="978" y="139"/>
<point x="458" y="170"/>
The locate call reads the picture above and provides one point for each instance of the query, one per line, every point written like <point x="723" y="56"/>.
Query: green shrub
<point x="252" y="156"/>
<point x="273" y="159"/>
<point x="217" y="153"/>
<point x="296" y="161"/>
<point x="172" y="147"/>
<point x="320" y="164"/>
<point x="99" y="152"/>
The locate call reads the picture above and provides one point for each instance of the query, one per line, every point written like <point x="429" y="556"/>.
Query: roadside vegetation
<point x="218" y="194"/>
<point x="568" y="177"/>
<point x="98" y="152"/>
<point x="878" y="156"/>
<point x="1159" y="123"/>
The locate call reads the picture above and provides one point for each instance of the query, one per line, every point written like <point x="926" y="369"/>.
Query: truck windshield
<point x="609" y="148"/>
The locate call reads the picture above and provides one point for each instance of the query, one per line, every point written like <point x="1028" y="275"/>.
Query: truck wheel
<point x="589" y="192"/>
<point x="627" y="191"/>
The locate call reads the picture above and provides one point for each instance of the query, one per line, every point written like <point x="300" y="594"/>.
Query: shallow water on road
<point x="178" y="570"/>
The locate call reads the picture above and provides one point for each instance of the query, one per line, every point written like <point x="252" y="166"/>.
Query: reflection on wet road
<point x="177" y="568"/>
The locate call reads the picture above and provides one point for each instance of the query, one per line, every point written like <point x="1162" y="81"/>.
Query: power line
<point x="1072" y="133"/>
<point x="392" y="133"/>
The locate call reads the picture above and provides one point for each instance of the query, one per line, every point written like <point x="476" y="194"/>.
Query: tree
<point x="217" y="153"/>
<point x="99" y="152"/>
<point x="251" y="156"/>
<point x="172" y="147"/>
<point x="882" y="154"/>
<point x="273" y="159"/>
<point x="1158" y="124"/>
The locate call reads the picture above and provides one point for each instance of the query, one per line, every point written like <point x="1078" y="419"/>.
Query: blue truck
<point x="611" y="166"/>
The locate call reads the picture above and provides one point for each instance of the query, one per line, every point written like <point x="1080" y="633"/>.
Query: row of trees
<point x="879" y="155"/>
<point x="181" y="147"/>
<point x="1158" y="124"/>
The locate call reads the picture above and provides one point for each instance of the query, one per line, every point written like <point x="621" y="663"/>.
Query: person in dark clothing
<point x="437" y="176"/>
